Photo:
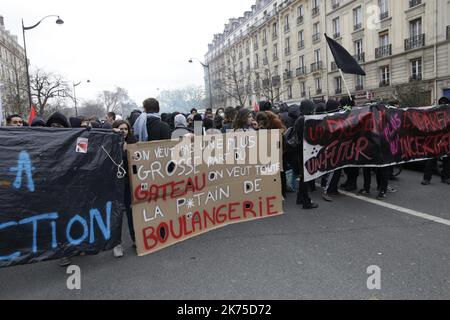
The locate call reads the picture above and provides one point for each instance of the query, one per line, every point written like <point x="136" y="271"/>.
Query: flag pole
<point x="345" y="84"/>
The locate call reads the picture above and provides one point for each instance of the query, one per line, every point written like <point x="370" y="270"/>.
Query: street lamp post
<point x="58" y="21"/>
<point x="75" y="95"/>
<point x="209" y="79"/>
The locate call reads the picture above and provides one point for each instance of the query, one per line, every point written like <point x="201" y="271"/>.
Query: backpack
<point x="291" y="142"/>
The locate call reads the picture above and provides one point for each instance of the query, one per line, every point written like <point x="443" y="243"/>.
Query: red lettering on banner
<point x="248" y="208"/>
<point x="270" y="206"/>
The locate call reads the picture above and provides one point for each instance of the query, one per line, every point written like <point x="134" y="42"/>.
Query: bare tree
<point x="92" y="108"/>
<point x="47" y="86"/>
<point x="270" y="88"/>
<point x="236" y="83"/>
<point x="182" y="100"/>
<point x="113" y="101"/>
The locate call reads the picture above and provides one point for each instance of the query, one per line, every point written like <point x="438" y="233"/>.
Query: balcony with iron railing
<point x="287" y="51"/>
<point x="360" y="57"/>
<point x="316" y="37"/>
<point x="319" y="91"/>
<point x="385" y="83"/>
<point x="415" y="42"/>
<point x="287" y="75"/>
<point x="413" y="3"/>
<point x="415" y="77"/>
<point x="359" y="87"/>
<point x="275" y="36"/>
<point x="337" y="35"/>
<point x="338" y="91"/>
<point x="335" y="4"/>
<point x="315" y="11"/>
<point x="300" y="72"/>
<point x="300" y="20"/>
<point x="316" y="66"/>
<point x="275" y="57"/>
<point x="301" y="45"/>
<point x="357" y="26"/>
<point x="384" y="51"/>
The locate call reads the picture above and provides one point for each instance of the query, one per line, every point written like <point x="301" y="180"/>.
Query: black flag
<point x="343" y="59"/>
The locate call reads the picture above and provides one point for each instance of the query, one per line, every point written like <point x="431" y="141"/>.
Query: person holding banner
<point x="307" y="108"/>
<point x="124" y="128"/>
<point x="270" y="121"/>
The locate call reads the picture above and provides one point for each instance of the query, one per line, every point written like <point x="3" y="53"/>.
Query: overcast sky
<point x="140" y="45"/>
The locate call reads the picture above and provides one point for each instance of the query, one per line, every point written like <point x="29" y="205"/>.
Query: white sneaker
<point x="118" y="251"/>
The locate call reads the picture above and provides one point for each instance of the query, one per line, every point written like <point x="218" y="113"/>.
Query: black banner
<point x="60" y="194"/>
<point x="374" y="136"/>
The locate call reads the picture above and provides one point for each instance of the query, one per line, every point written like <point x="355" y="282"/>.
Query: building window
<point x="301" y="62"/>
<point x="416" y="69"/>
<point x="415" y="27"/>
<point x="336" y="28"/>
<point x="359" y="82"/>
<point x="287" y="49"/>
<point x="317" y="55"/>
<point x="315" y="7"/>
<point x="289" y="92"/>
<point x="286" y="23"/>
<point x="357" y="18"/>
<point x="384" y="9"/>
<point x="338" y="85"/>
<point x="300" y="11"/>
<point x="275" y="51"/>
<point x="303" y="89"/>
<point x="316" y="32"/>
<point x="385" y="76"/>
<point x="301" y="39"/>
<point x="318" y="82"/>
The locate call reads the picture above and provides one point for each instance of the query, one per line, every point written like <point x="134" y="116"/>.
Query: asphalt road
<point x="320" y="254"/>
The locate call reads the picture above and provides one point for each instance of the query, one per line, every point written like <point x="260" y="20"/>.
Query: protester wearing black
<point x="156" y="129"/>
<point x="303" y="198"/>
<point x="125" y="128"/>
<point x="382" y="175"/>
<point x="37" y="122"/>
<point x="431" y="167"/>
<point x="265" y="106"/>
<point x="57" y="120"/>
<point x="330" y="181"/>
<point x="352" y="173"/>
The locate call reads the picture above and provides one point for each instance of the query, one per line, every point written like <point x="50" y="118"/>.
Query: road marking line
<point x="398" y="208"/>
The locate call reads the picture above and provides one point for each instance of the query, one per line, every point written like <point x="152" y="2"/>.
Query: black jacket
<point x="157" y="130"/>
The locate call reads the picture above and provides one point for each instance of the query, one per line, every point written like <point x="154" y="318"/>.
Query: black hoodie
<point x="58" y="118"/>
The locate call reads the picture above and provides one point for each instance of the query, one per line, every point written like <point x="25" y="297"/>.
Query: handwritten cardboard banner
<point x="182" y="189"/>
<point x="374" y="136"/>
<point x="59" y="193"/>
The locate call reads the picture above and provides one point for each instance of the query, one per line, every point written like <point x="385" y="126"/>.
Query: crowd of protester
<point x="152" y="125"/>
